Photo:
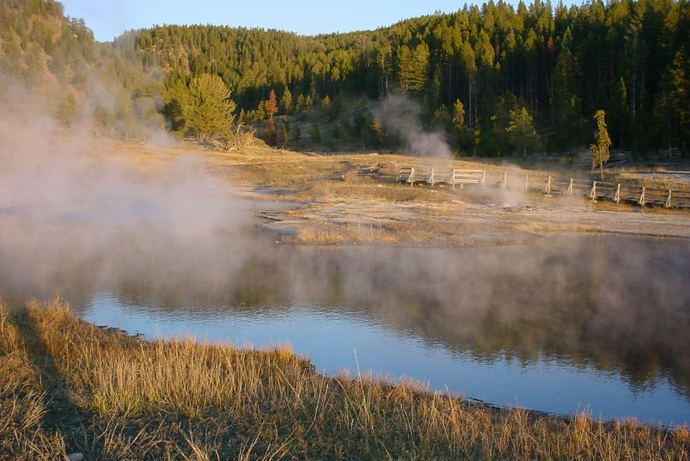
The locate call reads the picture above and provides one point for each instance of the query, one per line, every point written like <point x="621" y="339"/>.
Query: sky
<point x="109" y="19"/>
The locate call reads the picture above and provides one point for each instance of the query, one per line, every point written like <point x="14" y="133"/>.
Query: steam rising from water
<point x="175" y="239"/>
<point x="64" y="209"/>
<point x="401" y="117"/>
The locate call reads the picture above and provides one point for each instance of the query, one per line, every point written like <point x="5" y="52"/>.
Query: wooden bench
<point x="424" y="175"/>
<point x="412" y="175"/>
<point x="463" y="177"/>
<point x="443" y="175"/>
<point x="406" y="174"/>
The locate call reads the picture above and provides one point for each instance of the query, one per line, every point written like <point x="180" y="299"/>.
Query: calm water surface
<point x="597" y="324"/>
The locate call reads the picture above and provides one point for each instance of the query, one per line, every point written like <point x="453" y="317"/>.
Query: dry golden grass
<point x="67" y="386"/>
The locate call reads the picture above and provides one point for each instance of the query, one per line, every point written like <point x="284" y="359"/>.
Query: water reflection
<point x="569" y="312"/>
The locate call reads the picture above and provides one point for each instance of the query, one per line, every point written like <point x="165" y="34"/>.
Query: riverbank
<point x="69" y="387"/>
<point x="355" y="198"/>
<point x="341" y="203"/>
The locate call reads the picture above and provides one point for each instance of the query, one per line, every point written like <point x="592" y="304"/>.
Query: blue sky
<point x="110" y="18"/>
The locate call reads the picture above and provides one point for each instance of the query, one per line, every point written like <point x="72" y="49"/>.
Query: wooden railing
<point x="431" y="176"/>
<point x="549" y="185"/>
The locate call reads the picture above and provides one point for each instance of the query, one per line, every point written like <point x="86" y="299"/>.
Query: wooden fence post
<point x="642" y="199"/>
<point x="526" y="182"/>
<point x="505" y="179"/>
<point x="668" y="200"/>
<point x="547" y="189"/>
<point x="617" y="197"/>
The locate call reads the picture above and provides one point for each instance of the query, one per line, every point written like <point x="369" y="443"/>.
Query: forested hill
<point x="76" y="80"/>
<point x="496" y="78"/>
<point x="631" y="59"/>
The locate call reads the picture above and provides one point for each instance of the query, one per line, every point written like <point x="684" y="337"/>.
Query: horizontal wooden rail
<point x="548" y="185"/>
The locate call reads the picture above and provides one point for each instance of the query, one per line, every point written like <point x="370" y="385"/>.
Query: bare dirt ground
<point x="355" y="199"/>
<point x="463" y="222"/>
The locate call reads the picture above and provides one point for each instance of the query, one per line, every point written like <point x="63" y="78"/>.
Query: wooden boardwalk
<point x="548" y="185"/>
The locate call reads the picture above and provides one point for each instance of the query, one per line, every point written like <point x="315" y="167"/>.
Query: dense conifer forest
<point x="496" y="79"/>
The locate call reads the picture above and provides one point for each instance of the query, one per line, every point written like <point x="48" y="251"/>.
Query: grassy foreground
<point x="67" y="387"/>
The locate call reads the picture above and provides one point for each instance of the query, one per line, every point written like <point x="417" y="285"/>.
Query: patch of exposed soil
<point x="463" y="221"/>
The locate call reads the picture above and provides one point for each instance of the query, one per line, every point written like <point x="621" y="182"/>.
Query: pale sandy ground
<point x="327" y="209"/>
<point x="480" y="224"/>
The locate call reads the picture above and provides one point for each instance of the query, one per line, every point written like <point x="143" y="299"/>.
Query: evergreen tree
<point x="602" y="143"/>
<point x="315" y="133"/>
<point x="523" y="137"/>
<point x="565" y="101"/>
<point x="378" y="134"/>
<point x="680" y="92"/>
<point x="285" y="131"/>
<point x="459" y="116"/>
<point x="413" y="68"/>
<point x="271" y="133"/>
<point x="208" y="108"/>
<point x="631" y="59"/>
<point x="301" y="103"/>
<point x="271" y="106"/>
<point x="286" y="101"/>
<point x="492" y="133"/>
<point x="459" y="125"/>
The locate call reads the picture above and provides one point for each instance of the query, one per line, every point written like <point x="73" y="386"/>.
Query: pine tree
<point x="301" y="103"/>
<point x="286" y="101"/>
<point x="459" y="116"/>
<point x="208" y="108"/>
<point x="680" y="92"/>
<point x="271" y="106"/>
<point x="565" y="102"/>
<point x="523" y="137"/>
<point x="459" y="124"/>
<point x="602" y="143"/>
<point x="315" y="133"/>
<point x="271" y="133"/>
<point x="413" y="67"/>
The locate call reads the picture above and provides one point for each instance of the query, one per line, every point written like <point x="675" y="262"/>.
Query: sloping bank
<point x="68" y="387"/>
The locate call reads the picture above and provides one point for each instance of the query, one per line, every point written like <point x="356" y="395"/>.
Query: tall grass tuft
<point x="67" y="386"/>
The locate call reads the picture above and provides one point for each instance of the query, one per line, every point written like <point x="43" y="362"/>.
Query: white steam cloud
<point x="401" y="118"/>
<point x="68" y="206"/>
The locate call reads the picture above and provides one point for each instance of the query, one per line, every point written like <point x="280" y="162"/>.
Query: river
<point x="570" y="324"/>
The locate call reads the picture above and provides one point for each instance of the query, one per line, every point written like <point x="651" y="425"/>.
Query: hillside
<point x="48" y="57"/>
<point x="489" y="80"/>
<point x="473" y="73"/>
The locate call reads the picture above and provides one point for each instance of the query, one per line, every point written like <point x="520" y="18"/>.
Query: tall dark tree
<point x="286" y="101"/>
<point x="523" y="136"/>
<point x="413" y="68"/>
<point x="680" y="92"/>
<point x="565" y="100"/>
